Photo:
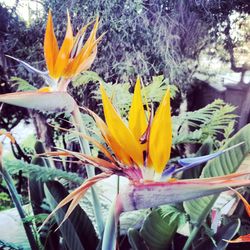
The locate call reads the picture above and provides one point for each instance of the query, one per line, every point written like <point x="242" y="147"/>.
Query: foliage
<point x="158" y="229"/>
<point x="228" y="231"/>
<point x="215" y="119"/>
<point x="78" y="231"/>
<point x="229" y="162"/>
<point x="121" y="95"/>
<point x="21" y="84"/>
<point x="159" y="40"/>
<point x="5" y="201"/>
<point x="44" y="174"/>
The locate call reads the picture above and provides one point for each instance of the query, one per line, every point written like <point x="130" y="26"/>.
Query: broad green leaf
<point x="224" y="164"/>
<point x="160" y="227"/>
<point x="77" y="231"/>
<point x="226" y="232"/>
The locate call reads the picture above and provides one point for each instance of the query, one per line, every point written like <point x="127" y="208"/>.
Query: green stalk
<point x="197" y="227"/>
<point x="15" y="198"/>
<point x="76" y="115"/>
<point x="110" y="232"/>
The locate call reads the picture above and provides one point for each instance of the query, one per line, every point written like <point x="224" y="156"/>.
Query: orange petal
<point x="160" y="138"/>
<point x="56" y="153"/>
<point x="119" y="130"/>
<point x="91" y="140"/>
<point x="137" y="117"/>
<point x="75" y="196"/>
<point x="50" y="46"/>
<point x="64" y="53"/>
<point x="78" y="40"/>
<point x="243" y="238"/>
<point x="74" y="66"/>
<point x="95" y="161"/>
<point x="245" y="202"/>
<point x="111" y="141"/>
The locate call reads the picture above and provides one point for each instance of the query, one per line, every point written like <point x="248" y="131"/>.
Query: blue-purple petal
<point x="191" y="162"/>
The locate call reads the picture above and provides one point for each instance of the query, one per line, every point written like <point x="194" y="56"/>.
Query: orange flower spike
<point x="160" y="138"/>
<point x="110" y="140"/>
<point x="51" y="49"/>
<point x="83" y="58"/>
<point x="246" y="204"/>
<point x="241" y="239"/>
<point x="120" y="131"/>
<point x="64" y="53"/>
<point x="137" y="117"/>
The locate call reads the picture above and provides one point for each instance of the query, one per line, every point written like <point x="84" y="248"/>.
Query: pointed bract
<point x="160" y="138"/>
<point x="63" y="56"/>
<point x="120" y="131"/>
<point x="137" y="118"/>
<point x="51" y="49"/>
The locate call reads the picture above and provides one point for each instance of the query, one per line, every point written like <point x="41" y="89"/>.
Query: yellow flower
<point x="142" y="145"/>
<point x="73" y="57"/>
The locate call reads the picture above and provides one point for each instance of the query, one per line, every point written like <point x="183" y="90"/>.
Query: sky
<point x="24" y="9"/>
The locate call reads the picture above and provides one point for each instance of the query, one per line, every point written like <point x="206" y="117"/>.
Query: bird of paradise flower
<point x="63" y="66"/>
<point x="140" y="151"/>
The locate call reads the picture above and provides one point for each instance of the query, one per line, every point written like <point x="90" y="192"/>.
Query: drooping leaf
<point x="77" y="231"/>
<point x="224" y="164"/>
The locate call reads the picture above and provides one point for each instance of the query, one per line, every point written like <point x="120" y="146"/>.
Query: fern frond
<point x="22" y="85"/>
<point x="121" y="95"/>
<point x="86" y="77"/>
<point x="216" y="118"/>
<point x="39" y="173"/>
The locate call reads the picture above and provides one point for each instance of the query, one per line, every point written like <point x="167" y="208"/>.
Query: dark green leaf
<point x="77" y="231"/>
<point x="160" y="227"/>
<point x="225" y="164"/>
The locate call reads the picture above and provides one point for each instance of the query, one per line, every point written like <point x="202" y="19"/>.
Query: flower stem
<point x="110" y="231"/>
<point x="198" y="225"/>
<point x="76" y="115"/>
